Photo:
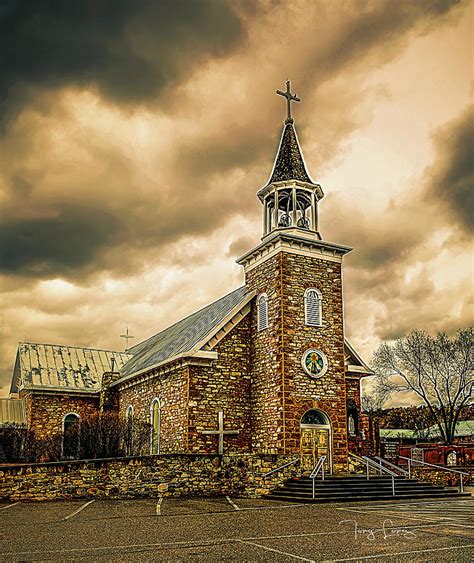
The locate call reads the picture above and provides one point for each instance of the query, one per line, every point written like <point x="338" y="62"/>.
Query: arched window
<point x="129" y="430"/>
<point x="313" y="307"/>
<point x="155" y="421"/>
<point x="262" y="311"/>
<point x="351" y="425"/>
<point x="315" y="417"/>
<point x="70" y="442"/>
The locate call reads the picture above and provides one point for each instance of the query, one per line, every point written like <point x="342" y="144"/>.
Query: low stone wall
<point x="444" y="478"/>
<point x="145" y="476"/>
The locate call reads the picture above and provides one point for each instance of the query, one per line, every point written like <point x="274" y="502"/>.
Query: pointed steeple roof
<point x="289" y="163"/>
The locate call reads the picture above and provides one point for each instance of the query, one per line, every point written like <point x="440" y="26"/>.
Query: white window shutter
<point x="313" y="306"/>
<point x="262" y="312"/>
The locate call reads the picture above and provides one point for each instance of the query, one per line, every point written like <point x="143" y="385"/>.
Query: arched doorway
<point x="316" y="440"/>
<point x="70" y="442"/>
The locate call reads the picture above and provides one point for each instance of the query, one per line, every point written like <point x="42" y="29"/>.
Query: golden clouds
<point x="130" y="176"/>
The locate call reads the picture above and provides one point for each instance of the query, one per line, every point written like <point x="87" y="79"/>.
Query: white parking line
<point x="232" y="503"/>
<point x="9" y="505"/>
<point x="158" y="506"/>
<point x="380" y="555"/>
<point x="286" y="554"/>
<point x="78" y="510"/>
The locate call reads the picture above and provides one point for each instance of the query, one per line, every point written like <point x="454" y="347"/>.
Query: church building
<point x="264" y="369"/>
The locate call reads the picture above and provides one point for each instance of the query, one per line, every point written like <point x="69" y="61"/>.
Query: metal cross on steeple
<point x="127" y="337"/>
<point x="289" y="98"/>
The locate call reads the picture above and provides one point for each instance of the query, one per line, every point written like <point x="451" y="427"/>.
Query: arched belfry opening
<point x="316" y="440"/>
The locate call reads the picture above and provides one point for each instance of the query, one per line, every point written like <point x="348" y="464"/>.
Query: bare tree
<point x="438" y="370"/>
<point x="372" y="405"/>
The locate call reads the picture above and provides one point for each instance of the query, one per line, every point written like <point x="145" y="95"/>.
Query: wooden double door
<point x="315" y="442"/>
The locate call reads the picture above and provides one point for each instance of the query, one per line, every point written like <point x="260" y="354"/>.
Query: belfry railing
<point x="448" y="469"/>
<point x="319" y="467"/>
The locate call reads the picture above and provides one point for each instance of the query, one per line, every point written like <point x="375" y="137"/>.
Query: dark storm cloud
<point x="129" y="49"/>
<point x="68" y="239"/>
<point x="451" y="178"/>
<point x="132" y="50"/>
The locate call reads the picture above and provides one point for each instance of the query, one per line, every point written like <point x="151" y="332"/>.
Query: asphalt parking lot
<point x="237" y="529"/>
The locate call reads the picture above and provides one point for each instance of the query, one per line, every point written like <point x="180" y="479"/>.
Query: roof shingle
<point x="289" y="163"/>
<point x="182" y="336"/>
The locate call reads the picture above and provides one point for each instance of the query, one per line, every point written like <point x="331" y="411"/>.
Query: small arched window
<point x="155" y="421"/>
<point x="313" y="307"/>
<point x="351" y="425"/>
<point x="262" y="312"/>
<point x="129" y="430"/>
<point x="71" y="429"/>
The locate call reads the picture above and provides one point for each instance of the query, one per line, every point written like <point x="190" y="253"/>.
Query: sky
<point x="134" y="136"/>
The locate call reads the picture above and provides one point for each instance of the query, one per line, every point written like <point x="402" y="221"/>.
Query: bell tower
<point x="297" y="367"/>
<point x="290" y="197"/>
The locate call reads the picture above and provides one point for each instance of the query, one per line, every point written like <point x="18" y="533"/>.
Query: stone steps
<point x="359" y="488"/>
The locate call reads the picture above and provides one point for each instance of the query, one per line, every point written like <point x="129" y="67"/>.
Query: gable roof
<point x="289" y="163"/>
<point x="69" y="368"/>
<point x="183" y="336"/>
<point x="353" y="361"/>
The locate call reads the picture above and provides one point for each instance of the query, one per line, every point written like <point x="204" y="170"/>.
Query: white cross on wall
<point x="220" y="432"/>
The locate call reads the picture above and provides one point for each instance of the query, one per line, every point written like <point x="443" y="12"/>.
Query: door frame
<point x="321" y="427"/>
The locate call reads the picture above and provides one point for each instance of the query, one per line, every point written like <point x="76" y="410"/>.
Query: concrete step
<point x="337" y="494"/>
<point x="361" y="498"/>
<point x="351" y="488"/>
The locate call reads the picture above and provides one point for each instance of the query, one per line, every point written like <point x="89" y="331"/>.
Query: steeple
<point x="289" y="163"/>
<point x="290" y="198"/>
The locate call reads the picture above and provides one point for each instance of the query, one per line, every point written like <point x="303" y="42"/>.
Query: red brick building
<point x="265" y="368"/>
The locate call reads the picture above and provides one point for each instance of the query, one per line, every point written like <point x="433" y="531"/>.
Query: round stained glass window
<point x="314" y="363"/>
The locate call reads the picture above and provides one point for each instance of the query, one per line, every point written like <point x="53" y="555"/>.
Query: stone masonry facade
<point x="171" y="388"/>
<point x="45" y="412"/>
<point x="283" y="392"/>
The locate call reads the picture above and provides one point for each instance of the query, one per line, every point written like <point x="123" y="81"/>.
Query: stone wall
<point x="282" y="391"/>
<point x="171" y="388"/>
<point x="444" y="478"/>
<point x="145" y="477"/>
<point x="267" y="374"/>
<point x="45" y="411"/>
<point x="224" y="385"/>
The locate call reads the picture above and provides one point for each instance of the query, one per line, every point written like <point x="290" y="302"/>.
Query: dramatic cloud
<point x="137" y="133"/>
<point x="451" y="181"/>
<point x="130" y="50"/>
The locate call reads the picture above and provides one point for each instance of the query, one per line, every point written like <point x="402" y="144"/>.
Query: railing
<point x="461" y="473"/>
<point x="281" y="467"/>
<point x="381" y="460"/>
<point x="371" y="464"/>
<point x="317" y="468"/>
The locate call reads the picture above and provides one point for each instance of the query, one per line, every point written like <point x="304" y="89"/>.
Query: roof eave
<point x="198" y="354"/>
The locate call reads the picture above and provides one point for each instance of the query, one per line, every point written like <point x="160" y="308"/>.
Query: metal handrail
<point x="378" y="466"/>
<point x="371" y="464"/>
<point x="317" y="468"/>
<point x="461" y="473"/>
<point x="281" y="467"/>
<point x="392" y="465"/>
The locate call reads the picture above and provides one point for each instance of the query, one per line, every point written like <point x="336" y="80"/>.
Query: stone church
<point x="264" y="369"/>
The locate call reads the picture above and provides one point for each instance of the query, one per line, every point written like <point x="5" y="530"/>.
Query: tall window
<point x="129" y="430"/>
<point x="313" y="307"/>
<point x="262" y="311"/>
<point x="71" y="427"/>
<point x="155" y="416"/>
